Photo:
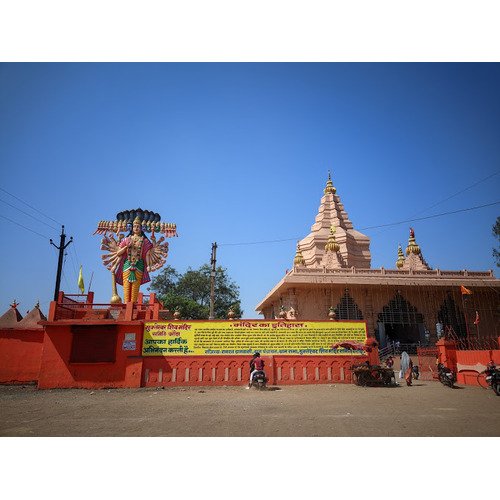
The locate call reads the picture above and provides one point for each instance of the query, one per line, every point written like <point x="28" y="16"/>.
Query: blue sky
<point x="240" y="153"/>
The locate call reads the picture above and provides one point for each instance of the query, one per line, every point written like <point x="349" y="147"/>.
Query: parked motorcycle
<point x="493" y="377"/>
<point x="259" y="380"/>
<point x="446" y="376"/>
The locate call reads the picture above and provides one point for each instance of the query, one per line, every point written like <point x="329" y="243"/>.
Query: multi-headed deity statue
<point x="131" y="258"/>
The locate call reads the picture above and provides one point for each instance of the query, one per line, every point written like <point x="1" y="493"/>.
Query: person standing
<point x="406" y="367"/>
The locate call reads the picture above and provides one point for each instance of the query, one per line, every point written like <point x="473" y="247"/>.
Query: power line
<point x="431" y="216"/>
<point x="33" y="208"/>
<point x="26" y="213"/>
<point x="373" y="227"/>
<point x="73" y="263"/>
<point x="456" y="194"/>
<point x="27" y="228"/>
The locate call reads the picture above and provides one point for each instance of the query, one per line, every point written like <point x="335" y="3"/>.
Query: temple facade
<point x="332" y="278"/>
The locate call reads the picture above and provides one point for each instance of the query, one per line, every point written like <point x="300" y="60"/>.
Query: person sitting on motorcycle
<point x="256" y="364"/>
<point x="252" y="362"/>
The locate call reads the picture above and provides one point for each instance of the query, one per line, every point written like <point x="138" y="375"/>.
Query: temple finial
<point x="401" y="258"/>
<point x="412" y="245"/>
<point x="331" y="244"/>
<point x="299" y="258"/>
<point x="329" y="185"/>
<point x="14" y="304"/>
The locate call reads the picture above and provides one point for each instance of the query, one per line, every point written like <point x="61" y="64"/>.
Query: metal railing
<point x="396" y="348"/>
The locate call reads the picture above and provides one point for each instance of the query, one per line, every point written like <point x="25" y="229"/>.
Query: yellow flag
<point x="81" y="285"/>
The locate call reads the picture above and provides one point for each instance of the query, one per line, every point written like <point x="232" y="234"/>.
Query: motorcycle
<point x="259" y="380"/>
<point x="446" y="376"/>
<point x="493" y="377"/>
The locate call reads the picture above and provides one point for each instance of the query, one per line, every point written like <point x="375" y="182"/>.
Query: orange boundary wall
<point x="45" y="357"/>
<point x="20" y="355"/>
<point x="235" y="370"/>
<point x="57" y="371"/>
<point x="466" y="363"/>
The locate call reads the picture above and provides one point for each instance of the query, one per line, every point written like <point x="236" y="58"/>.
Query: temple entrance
<point x="406" y="334"/>
<point x="400" y="322"/>
<point x="450" y="316"/>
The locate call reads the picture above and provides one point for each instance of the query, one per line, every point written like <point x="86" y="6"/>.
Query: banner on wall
<point x="202" y="338"/>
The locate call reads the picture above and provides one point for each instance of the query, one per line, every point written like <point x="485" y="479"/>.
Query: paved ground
<point x="426" y="409"/>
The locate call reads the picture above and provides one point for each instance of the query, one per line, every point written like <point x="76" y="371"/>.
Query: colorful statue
<point x="131" y="258"/>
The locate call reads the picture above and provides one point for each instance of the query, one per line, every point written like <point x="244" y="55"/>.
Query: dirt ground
<point x="425" y="409"/>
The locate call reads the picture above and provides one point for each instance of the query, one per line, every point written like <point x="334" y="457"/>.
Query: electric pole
<point x="61" y="249"/>
<point x="212" y="281"/>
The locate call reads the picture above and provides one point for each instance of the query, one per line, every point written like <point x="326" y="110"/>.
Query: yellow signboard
<point x="180" y="338"/>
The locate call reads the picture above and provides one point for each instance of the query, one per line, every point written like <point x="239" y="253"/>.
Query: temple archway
<point x="347" y="308"/>
<point x="399" y="321"/>
<point x="449" y="315"/>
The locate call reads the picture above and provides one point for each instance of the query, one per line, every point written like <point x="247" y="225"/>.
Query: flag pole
<point x="466" y="319"/>
<point x="476" y="322"/>
<point x="90" y="283"/>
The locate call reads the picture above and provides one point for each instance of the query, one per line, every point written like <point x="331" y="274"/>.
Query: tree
<point x="190" y="292"/>
<point x="496" y="234"/>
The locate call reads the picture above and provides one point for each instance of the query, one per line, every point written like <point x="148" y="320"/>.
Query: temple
<point x="346" y="314"/>
<point x="332" y="278"/>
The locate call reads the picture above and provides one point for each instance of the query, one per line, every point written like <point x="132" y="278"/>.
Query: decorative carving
<point x="332" y="313"/>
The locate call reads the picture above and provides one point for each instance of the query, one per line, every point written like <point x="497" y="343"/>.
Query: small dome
<point x="299" y="258"/>
<point x="412" y="245"/>
<point x="401" y="258"/>
<point x="329" y="186"/>
<point x="331" y="244"/>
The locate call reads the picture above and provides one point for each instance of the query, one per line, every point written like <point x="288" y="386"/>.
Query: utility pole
<point x="61" y="249"/>
<point x="212" y="281"/>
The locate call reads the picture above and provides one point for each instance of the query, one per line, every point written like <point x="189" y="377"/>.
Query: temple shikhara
<point x="332" y="278"/>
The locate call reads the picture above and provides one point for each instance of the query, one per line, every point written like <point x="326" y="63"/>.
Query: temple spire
<point x="401" y="258"/>
<point x="412" y="245"/>
<point x="329" y="185"/>
<point x="299" y="258"/>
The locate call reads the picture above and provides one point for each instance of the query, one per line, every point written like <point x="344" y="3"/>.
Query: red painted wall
<point x="20" y="355"/>
<point x="235" y="370"/>
<point x="81" y="351"/>
<point x="57" y="370"/>
<point x="466" y="363"/>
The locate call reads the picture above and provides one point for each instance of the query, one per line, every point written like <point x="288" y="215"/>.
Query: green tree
<point x="496" y="234"/>
<point x="190" y="292"/>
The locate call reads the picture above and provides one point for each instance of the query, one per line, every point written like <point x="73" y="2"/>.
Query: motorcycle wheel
<point x="496" y="388"/>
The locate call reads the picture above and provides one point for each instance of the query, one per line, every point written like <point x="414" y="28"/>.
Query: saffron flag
<point x="81" y="285"/>
<point x="465" y="291"/>
<point x="476" y="321"/>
